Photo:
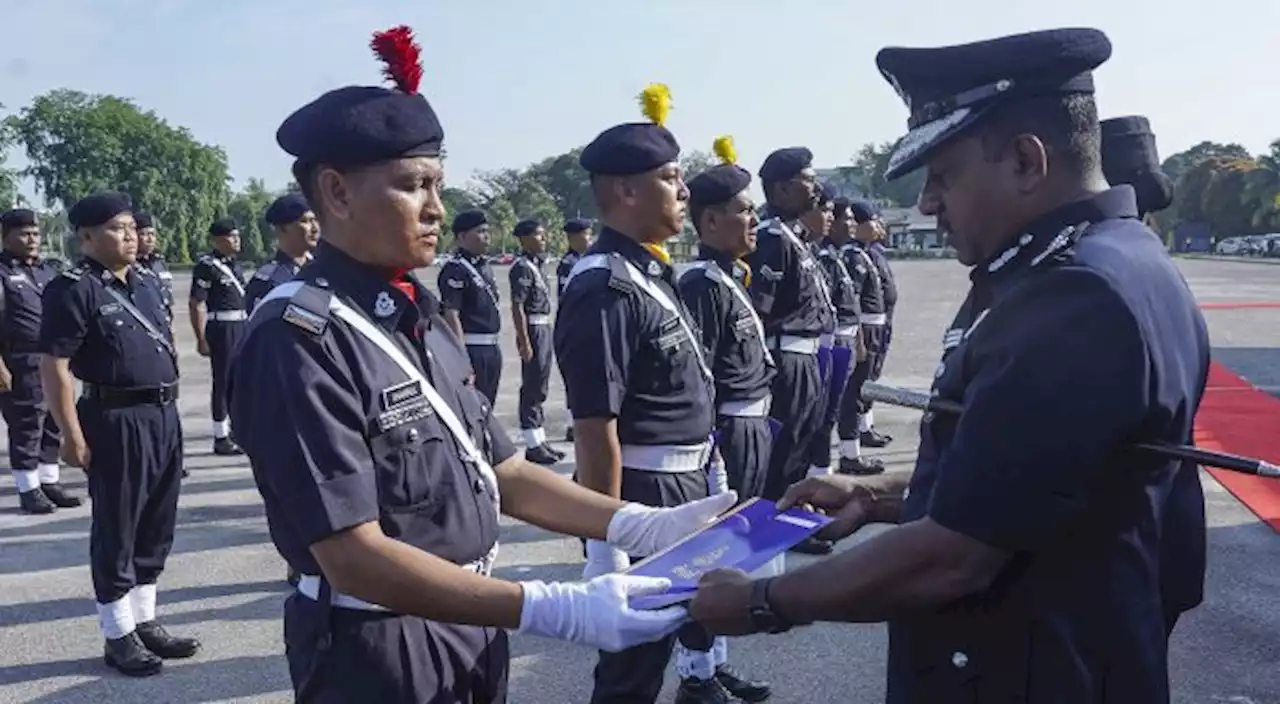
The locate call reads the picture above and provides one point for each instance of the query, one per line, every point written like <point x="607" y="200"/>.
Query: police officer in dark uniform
<point x="469" y="295"/>
<point x="1028" y="563"/>
<point x="381" y="468"/>
<point x="34" y="438"/>
<point x="872" y="437"/>
<point x="297" y="233"/>
<point x="105" y="323"/>
<point x="626" y="341"/>
<point x="151" y="261"/>
<point x="715" y="289"/>
<point x="217" y="307"/>
<point x="855" y="426"/>
<point x="577" y="232"/>
<point x="531" y="320"/>
<point x="1130" y="157"/>
<point x="790" y="293"/>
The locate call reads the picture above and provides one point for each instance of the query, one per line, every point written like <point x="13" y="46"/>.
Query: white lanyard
<point x="537" y="272"/>
<point x="224" y="269"/>
<point x="817" y="275"/>
<point x="484" y="283"/>
<point x="714" y="272"/>
<point x="871" y="266"/>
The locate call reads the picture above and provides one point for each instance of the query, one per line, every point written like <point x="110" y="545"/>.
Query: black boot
<point x="59" y="495"/>
<point x="698" y="691"/>
<point x="226" y="446"/>
<point x="131" y="657"/>
<point x="742" y="688"/>
<point x="167" y="646"/>
<point x="541" y="454"/>
<point x="813" y="546"/>
<point x="568" y="434"/>
<point x="873" y="438"/>
<point x="36" y="502"/>
<point x="862" y="466"/>
<point x="558" y="454"/>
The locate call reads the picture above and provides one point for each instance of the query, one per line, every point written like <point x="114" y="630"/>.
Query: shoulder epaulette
<point x="266" y="271"/>
<point x="75" y="273"/>
<point x="308" y="308"/>
<point x="57" y="264"/>
<point x="619" y="278"/>
<point x="772" y="226"/>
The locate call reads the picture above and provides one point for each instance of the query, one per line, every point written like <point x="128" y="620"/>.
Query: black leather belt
<point x="121" y="397"/>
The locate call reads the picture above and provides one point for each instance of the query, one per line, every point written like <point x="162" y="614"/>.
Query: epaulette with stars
<point x="75" y="273"/>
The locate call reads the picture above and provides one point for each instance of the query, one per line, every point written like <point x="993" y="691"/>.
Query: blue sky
<point x="517" y="81"/>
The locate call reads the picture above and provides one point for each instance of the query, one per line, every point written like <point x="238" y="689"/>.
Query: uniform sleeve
<point x="452" y="284"/>
<point x="594" y="351"/>
<point x="296" y="411"/>
<point x="64" y="319"/>
<point x="501" y="448"/>
<point x="202" y="279"/>
<point x="768" y="265"/>
<point x="254" y="290"/>
<point x="1063" y="379"/>
<point x="521" y="282"/>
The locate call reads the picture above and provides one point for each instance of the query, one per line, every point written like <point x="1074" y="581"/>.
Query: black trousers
<point x="486" y="362"/>
<point x="634" y="675"/>
<point x="852" y="406"/>
<point x="223" y="336"/>
<point x="745" y="446"/>
<point x="135" y="471"/>
<point x="833" y="395"/>
<point x="798" y="405"/>
<point x="34" y="437"/>
<point x="338" y="655"/>
<point x="535" y="378"/>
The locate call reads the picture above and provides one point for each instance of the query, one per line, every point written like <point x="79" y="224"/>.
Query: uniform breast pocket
<point x="113" y="322"/>
<point x="414" y="458"/>
<point x="671" y="355"/>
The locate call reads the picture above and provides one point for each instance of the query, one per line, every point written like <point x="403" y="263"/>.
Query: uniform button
<point x="928" y="417"/>
<point x="959" y="659"/>
<point x="479" y="485"/>
<point x="413" y="434"/>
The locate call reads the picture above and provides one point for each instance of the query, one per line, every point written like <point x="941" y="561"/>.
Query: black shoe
<point x="292" y="578"/>
<point x="861" y="466"/>
<point x="167" y="646"/>
<point x="559" y="454"/>
<point x="873" y="438"/>
<point x="698" y="691"/>
<point x="131" y="657"/>
<point x="742" y="688"/>
<point x="813" y="546"/>
<point x="226" y="446"/>
<point x="59" y="495"/>
<point x="568" y="434"/>
<point x="36" y="502"/>
<point x="541" y="454"/>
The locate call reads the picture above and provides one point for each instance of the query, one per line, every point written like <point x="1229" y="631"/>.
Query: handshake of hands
<point x="597" y="612"/>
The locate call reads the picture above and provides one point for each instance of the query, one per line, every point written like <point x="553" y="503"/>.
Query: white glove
<point x="643" y="530"/>
<point x="603" y="558"/>
<point x="596" y="613"/>
<point x="717" y="477"/>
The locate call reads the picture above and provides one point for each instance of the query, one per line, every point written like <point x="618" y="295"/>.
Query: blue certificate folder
<point x="746" y="538"/>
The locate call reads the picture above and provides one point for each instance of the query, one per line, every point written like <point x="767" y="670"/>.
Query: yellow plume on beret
<point x="655" y="103"/>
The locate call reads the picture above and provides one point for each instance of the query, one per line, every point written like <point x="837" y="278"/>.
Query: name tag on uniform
<point x="744" y="323"/>
<point x="671" y="335"/>
<point x="402" y="395"/>
<point x="402" y="404"/>
<point x="110" y="309"/>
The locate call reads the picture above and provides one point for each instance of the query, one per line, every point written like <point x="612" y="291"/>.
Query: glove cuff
<point x="536" y="593"/>
<point x="600" y="551"/>
<point x="627" y="526"/>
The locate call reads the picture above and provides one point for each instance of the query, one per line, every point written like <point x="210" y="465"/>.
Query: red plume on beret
<point x="402" y="56"/>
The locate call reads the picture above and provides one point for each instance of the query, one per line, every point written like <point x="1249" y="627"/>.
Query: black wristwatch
<point x="763" y="617"/>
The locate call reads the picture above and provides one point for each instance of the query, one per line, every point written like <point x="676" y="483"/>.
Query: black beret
<point x="94" y="210"/>
<point x="223" y="226"/>
<point x="576" y="225"/>
<point x="863" y="210"/>
<point x="631" y="148"/>
<point x="143" y="220"/>
<point x="286" y="209"/>
<point x="785" y="163"/>
<point x="358" y="125"/>
<point x="17" y="218"/>
<point x="1129" y="157"/>
<point x="469" y="220"/>
<point x="840" y="203"/>
<point x="827" y="193"/>
<point x="525" y="227"/>
<point x="718" y="184"/>
<point x="950" y="88"/>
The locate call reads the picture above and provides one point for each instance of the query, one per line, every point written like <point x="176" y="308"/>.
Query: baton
<point x="894" y="396"/>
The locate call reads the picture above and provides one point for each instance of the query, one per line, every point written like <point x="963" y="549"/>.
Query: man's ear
<point x="1030" y="161"/>
<point x="335" y="191"/>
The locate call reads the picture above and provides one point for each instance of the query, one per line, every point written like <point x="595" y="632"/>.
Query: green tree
<point x="865" y="175"/>
<point x="247" y="208"/>
<point x="8" y="177"/>
<point x="79" y="143"/>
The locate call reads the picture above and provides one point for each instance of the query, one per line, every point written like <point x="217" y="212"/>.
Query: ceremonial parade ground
<point x="225" y="582"/>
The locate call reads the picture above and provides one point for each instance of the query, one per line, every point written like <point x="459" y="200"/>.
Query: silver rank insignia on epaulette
<point x="75" y="273"/>
<point x="770" y="274"/>
<point x="305" y="319"/>
<point x="654" y="269"/>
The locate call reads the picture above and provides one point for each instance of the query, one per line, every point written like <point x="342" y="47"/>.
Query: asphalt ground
<point x="225" y="584"/>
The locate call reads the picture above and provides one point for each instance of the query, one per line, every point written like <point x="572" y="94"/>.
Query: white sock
<point x="695" y="663"/>
<point x="871" y="419"/>
<point x="530" y="438"/>
<point x="49" y="473"/>
<point x="116" y="618"/>
<point x="851" y="449"/>
<point x="143" y="601"/>
<point x="864" y="422"/>
<point x="816" y="471"/>
<point x="541" y="435"/>
<point x="26" y="479"/>
<point x="221" y="428"/>
<point x="720" y="650"/>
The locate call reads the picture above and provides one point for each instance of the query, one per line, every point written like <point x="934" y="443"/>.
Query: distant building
<point x="908" y="228"/>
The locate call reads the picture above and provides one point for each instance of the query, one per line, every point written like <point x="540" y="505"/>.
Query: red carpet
<point x="1235" y="305"/>
<point x="1234" y="417"/>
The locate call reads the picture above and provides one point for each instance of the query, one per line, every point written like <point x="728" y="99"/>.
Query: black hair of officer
<point x="1033" y="121"/>
<point x="817" y="220"/>
<point x="1129" y="156"/>
<point x="718" y="197"/>
<point x="578" y="234"/>
<point x="791" y="186"/>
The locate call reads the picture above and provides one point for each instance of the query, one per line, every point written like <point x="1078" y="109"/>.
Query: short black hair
<point x="696" y="211"/>
<point x="1067" y="124"/>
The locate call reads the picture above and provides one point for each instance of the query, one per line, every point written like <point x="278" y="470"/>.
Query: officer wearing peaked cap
<point x="531" y="320"/>
<point x="217" y="308"/>
<point x="105" y="324"/>
<point x="469" y="297"/>
<point x="381" y="468"/>
<point x="636" y="378"/>
<point x="1029" y="534"/>
<point x="577" y="232"/>
<point x="297" y="234"/>
<point x="150" y="261"/>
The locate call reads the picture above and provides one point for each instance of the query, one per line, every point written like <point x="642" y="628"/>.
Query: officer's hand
<point x="643" y="530"/>
<point x="6" y="380"/>
<point x="597" y="613"/>
<point x="862" y="350"/>
<point x="202" y="346"/>
<point x="603" y="558"/>
<point x="722" y="603"/>
<point x="839" y="496"/>
<point x="75" y="453"/>
<point x="525" y="349"/>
